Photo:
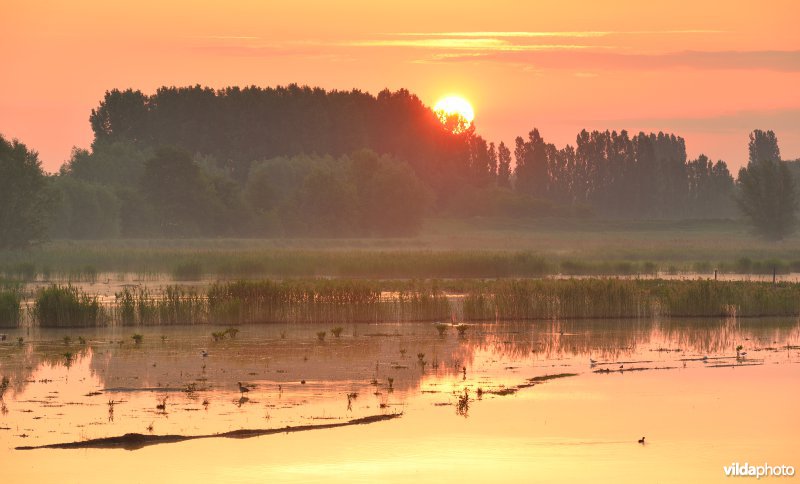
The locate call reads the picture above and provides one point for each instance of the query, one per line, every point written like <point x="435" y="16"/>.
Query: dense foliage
<point x="24" y="199"/>
<point x="301" y="161"/>
<point x="767" y="192"/>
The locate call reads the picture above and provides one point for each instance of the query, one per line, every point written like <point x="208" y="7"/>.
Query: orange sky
<point x="710" y="71"/>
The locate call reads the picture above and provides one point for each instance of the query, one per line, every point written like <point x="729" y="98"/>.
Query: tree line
<point x="300" y="161"/>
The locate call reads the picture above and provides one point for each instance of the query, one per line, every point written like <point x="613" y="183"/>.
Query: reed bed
<point x="338" y="301"/>
<point x="66" y="307"/>
<point x="625" y="298"/>
<point x="174" y="305"/>
<point x="321" y="300"/>
<point x="10" y="304"/>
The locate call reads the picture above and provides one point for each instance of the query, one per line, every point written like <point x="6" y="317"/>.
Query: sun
<point x="455" y="113"/>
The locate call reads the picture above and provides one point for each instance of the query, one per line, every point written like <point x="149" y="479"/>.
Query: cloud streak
<point x="778" y="119"/>
<point x="770" y="60"/>
<point x="553" y="34"/>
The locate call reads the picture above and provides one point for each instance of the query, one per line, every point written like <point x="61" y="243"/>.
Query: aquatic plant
<point x="462" y="329"/>
<point x="66" y="306"/>
<point x="321" y="335"/>
<point x="462" y="405"/>
<point x="137" y="338"/>
<point x="337" y="331"/>
<point x="232" y="332"/>
<point x="4" y="382"/>
<point x="441" y="328"/>
<point x="10" y="301"/>
<point x="67" y="340"/>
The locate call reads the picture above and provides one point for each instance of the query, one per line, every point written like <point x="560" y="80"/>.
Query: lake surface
<point x="474" y="408"/>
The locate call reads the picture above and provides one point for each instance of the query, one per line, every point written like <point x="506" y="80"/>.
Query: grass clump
<point x="10" y="301"/>
<point x="66" y="306"/>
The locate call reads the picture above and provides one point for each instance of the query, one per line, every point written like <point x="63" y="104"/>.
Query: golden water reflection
<point x="468" y="405"/>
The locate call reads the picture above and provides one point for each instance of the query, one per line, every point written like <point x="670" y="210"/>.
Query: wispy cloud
<point x="551" y="34"/>
<point x="778" y="119"/>
<point x="469" y="44"/>
<point x="771" y="60"/>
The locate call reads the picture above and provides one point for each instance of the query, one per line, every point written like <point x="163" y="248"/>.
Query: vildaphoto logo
<point x="746" y="470"/>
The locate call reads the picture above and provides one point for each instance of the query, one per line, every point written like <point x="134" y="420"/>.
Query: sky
<point x="709" y="71"/>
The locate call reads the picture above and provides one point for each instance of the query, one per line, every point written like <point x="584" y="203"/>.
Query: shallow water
<point x="470" y="412"/>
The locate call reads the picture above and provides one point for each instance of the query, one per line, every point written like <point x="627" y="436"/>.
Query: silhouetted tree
<point x="763" y="146"/>
<point x="768" y="199"/>
<point x="503" y="166"/>
<point x="24" y="199"/>
<point x="181" y="195"/>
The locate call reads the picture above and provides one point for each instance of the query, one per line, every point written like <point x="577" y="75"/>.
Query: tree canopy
<point x="24" y="199"/>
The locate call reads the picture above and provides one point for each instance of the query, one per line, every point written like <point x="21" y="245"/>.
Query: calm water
<point x="469" y="409"/>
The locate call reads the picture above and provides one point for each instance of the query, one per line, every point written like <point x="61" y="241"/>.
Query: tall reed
<point x="10" y="301"/>
<point x="66" y="306"/>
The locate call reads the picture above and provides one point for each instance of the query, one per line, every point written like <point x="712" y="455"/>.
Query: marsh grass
<point x="66" y="307"/>
<point x="343" y="301"/>
<point x="323" y="300"/>
<point x="10" y="305"/>
<point x="172" y="305"/>
<point x="626" y="298"/>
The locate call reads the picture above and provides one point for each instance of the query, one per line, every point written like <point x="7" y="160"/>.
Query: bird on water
<point x="242" y="389"/>
<point x="641" y="441"/>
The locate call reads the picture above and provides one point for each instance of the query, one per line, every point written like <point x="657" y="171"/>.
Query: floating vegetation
<point x="462" y="406"/>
